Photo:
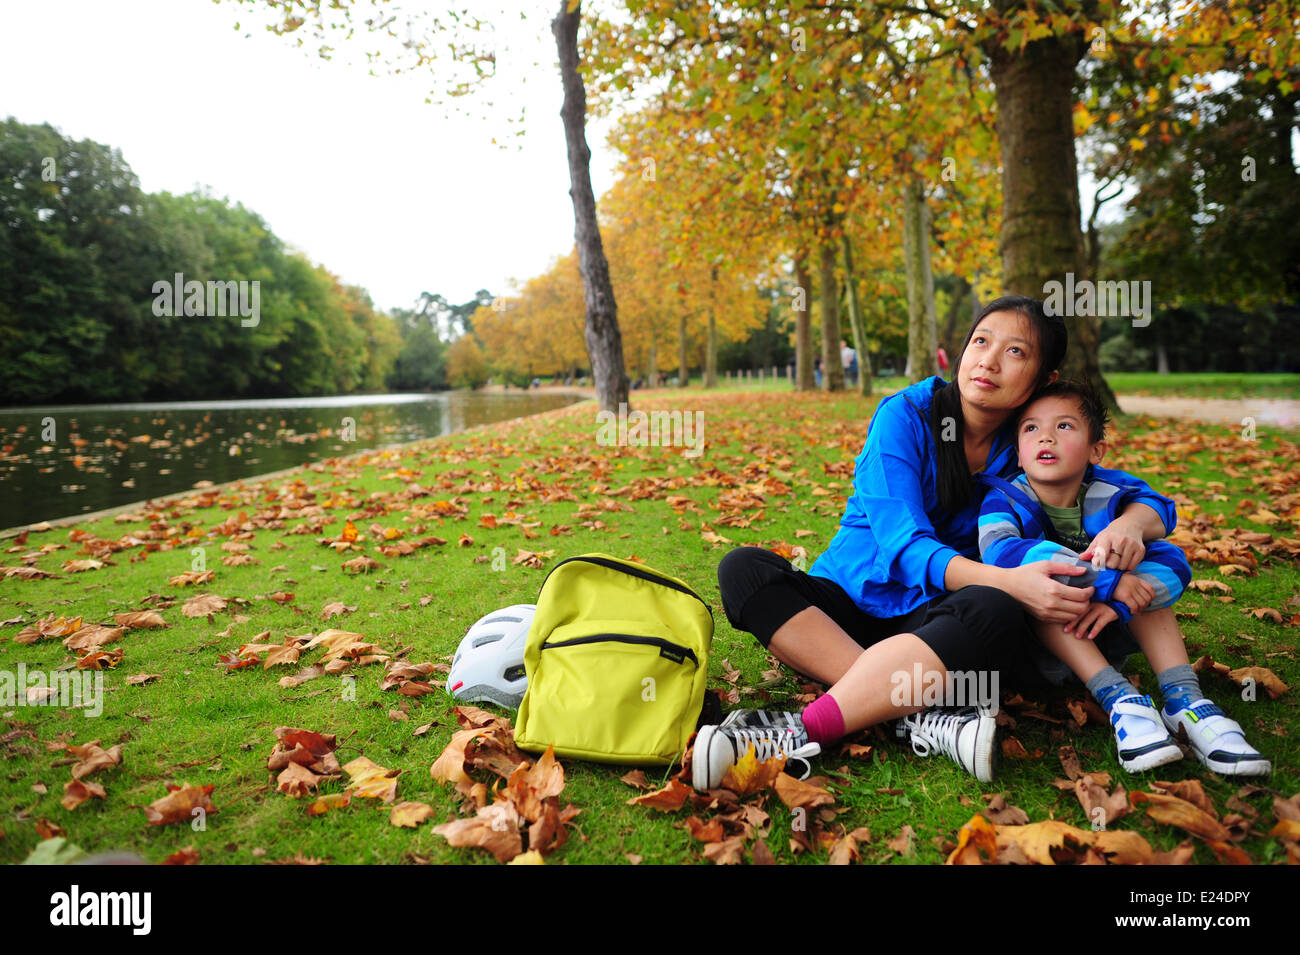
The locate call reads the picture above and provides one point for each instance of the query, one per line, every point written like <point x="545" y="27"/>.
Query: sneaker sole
<point x="700" y="766"/>
<point x="986" y="754"/>
<point x="1254" y="767"/>
<point x="1157" y="757"/>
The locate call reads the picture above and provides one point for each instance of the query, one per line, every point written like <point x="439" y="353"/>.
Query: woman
<point x="899" y="602"/>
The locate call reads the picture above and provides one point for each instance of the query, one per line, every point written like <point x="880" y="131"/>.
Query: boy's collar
<point x="1022" y="481"/>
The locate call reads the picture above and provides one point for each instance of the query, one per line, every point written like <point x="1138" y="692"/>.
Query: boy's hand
<point x="1135" y="592"/>
<point x="1094" y="620"/>
<point x="1119" y="546"/>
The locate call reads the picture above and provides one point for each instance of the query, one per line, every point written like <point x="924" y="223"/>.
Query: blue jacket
<point x="894" y="544"/>
<point x="1014" y="530"/>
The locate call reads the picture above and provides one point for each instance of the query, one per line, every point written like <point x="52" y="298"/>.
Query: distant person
<point x="849" y="359"/>
<point x="817" y="370"/>
<point x="943" y="359"/>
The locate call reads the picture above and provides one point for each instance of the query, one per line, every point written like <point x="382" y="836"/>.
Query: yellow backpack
<point x="617" y="659"/>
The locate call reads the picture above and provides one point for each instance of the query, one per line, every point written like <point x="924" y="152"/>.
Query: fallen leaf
<point x="669" y="799"/>
<point x="494" y="829"/>
<point x="747" y="775"/>
<point x="410" y="814"/>
<point x="91" y="758"/>
<point x="371" y="781"/>
<point x="77" y="791"/>
<point x="1262" y="676"/>
<point x="1179" y="812"/>
<point x="204" y="605"/>
<point x="328" y="803"/>
<point x="902" y="843"/>
<point x="181" y="804"/>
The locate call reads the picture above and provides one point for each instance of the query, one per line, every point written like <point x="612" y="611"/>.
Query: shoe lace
<point x="936" y="729"/>
<point x="768" y="743"/>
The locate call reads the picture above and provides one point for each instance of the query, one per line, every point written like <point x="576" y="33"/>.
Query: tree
<point x="466" y="363"/>
<point x="604" y="342"/>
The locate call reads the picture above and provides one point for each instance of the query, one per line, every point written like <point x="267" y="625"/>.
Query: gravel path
<point x="1278" y="412"/>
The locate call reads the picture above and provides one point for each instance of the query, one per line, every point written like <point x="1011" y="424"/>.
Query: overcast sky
<point x="357" y="171"/>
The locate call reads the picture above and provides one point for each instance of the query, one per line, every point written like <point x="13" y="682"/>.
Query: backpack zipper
<point x="667" y="649"/>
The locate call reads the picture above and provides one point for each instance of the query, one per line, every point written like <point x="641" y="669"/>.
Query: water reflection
<point x="71" y="459"/>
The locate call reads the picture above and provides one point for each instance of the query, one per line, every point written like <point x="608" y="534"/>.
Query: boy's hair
<point x="1094" y="411"/>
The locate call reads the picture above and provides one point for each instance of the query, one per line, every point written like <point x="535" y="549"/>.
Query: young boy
<point x="1052" y="511"/>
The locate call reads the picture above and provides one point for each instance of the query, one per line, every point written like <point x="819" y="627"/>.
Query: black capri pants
<point x="974" y="628"/>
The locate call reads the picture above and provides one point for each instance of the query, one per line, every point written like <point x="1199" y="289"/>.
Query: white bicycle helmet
<point x="489" y="664"/>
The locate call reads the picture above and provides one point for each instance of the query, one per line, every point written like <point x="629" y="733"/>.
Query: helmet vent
<point x="486" y="639"/>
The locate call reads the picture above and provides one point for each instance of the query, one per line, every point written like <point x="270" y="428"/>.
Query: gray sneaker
<point x="772" y="733"/>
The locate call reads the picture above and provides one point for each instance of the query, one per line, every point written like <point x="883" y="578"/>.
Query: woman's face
<point x="1000" y="364"/>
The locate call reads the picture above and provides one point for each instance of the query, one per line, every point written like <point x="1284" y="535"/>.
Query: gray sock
<point x="1108" y="686"/>
<point x="1179" y="686"/>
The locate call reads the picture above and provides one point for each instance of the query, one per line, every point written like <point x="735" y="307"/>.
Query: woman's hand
<point x="1047" y="599"/>
<point x="1119" y="546"/>
<point x="1094" y="620"/>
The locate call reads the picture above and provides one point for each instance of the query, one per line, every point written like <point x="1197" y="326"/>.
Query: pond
<point x="74" y="459"/>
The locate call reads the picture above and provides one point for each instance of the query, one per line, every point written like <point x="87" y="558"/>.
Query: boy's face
<point x="1054" y="444"/>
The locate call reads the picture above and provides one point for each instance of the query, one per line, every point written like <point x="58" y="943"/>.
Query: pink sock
<point x="823" y="720"/>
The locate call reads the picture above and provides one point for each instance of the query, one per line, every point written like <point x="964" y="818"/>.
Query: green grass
<point x="1205" y="385"/>
<point x="199" y="724"/>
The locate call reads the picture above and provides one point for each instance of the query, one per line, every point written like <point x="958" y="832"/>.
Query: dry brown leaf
<point x="902" y="843"/>
<point x="669" y="799"/>
<point x="370" y="780"/>
<point x="1262" y="676"/>
<point x="801" y="794"/>
<point x="77" y="791"/>
<point x="181" y="804"/>
<point x="494" y="829"/>
<point x="636" y="779"/>
<point x="204" y="605"/>
<point x="91" y="758"/>
<point x="296" y="780"/>
<point x="92" y="638"/>
<point x="1092" y="796"/>
<point x="747" y="775"/>
<point x="530" y="786"/>
<point x="1190" y="790"/>
<point x="727" y="852"/>
<point x="1179" y="812"/>
<point x="328" y="803"/>
<point x="410" y="814"/>
<point x="702" y="831"/>
<point x="977" y="843"/>
<point x="140" y="620"/>
<point x="1002" y="814"/>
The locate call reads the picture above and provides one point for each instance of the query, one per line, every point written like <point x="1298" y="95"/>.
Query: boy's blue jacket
<point x="894" y="544"/>
<point x="1014" y="530"/>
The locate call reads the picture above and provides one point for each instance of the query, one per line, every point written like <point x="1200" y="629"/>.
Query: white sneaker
<point x="965" y="736"/>
<point x="1217" y="741"/>
<point x="1142" y="740"/>
<point x="772" y="733"/>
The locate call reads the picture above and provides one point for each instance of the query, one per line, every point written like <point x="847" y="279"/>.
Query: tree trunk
<point x="1041" y="237"/>
<point x="832" y="370"/>
<point x="652" y="365"/>
<point x="855" y="319"/>
<point x="948" y="339"/>
<point x="683" y="358"/>
<point x="1162" y="359"/>
<point x="604" y="340"/>
<point x="711" y="344"/>
<point x="922" y="360"/>
<point x="804" y="380"/>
